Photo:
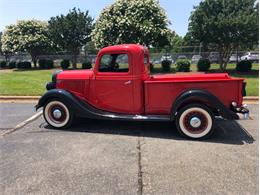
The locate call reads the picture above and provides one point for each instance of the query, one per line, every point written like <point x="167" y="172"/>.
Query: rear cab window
<point x="146" y="62"/>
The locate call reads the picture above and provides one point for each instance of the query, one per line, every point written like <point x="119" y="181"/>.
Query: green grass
<point x="252" y="80"/>
<point x="32" y="82"/>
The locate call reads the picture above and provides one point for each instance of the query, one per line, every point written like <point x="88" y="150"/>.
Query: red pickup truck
<point x="120" y="87"/>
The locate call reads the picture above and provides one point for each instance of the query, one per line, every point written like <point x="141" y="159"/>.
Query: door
<point x="113" y="84"/>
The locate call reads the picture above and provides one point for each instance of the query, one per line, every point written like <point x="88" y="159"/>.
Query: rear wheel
<point x="195" y="121"/>
<point x="57" y="114"/>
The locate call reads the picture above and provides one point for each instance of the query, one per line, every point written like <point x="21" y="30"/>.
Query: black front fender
<point x="83" y="109"/>
<point x="205" y="97"/>
<point x="72" y="101"/>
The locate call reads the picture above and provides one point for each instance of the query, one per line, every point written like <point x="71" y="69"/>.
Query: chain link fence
<point x="155" y="58"/>
<point x="214" y="56"/>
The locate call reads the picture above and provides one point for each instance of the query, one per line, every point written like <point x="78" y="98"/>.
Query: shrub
<point x="203" y="64"/>
<point x="2" y="64"/>
<point x="166" y="65"/>
<point x="24" y="65"/>
<point x="244" y="66"/>
<point x="183" y="65"/>
<point x="45" y="64"/>
<point x="86" y="65"/>
<point x="65" y="64"/>
<point x="12" y="64"/>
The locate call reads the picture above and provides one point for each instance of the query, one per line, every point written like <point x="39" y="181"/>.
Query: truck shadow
<point x="226" y="132"/>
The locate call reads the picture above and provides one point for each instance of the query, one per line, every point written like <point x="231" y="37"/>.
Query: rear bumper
<point x="242" y="110"/>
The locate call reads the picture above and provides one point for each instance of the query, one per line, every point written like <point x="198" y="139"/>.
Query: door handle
<point x="128" y="82"/>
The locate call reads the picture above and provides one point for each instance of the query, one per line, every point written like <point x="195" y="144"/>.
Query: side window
<point x="114" y="63"/>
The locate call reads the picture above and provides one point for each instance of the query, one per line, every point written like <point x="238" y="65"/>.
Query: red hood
<point x="75" y="74"/>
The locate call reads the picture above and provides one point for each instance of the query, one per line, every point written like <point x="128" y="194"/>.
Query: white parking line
<point x="22" y="124"/>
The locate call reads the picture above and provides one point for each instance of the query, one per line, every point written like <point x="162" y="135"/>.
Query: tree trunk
<point x="224" y="54"/>
<point x="6" y="58"/>
<point x="35" y="62"/>
<point x="225" y="65"/>
<point x="74" y="60"/>
<point x="34" y="59"/>
<point x="221" y="63"/>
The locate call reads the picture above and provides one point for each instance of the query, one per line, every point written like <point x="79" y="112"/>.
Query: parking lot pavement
<point x="225" y="164"/>
<point x="40" y="160"/>
<point x="111" y="157"/>
<point x="14" y="113"/>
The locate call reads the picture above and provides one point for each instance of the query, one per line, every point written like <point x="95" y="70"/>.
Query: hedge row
<point x="14" y="64"/>
<point x="183" y="65"/>
<point x="46" y="64"/>
<point x="43" y="64"/>
<point x="244" y="66"/>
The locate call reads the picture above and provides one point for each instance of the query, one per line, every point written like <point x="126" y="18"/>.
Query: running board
<point x="92" y="112"/>
<point x="137" y="117"/>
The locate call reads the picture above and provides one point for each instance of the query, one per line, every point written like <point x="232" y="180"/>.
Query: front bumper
<point x="50" y="85"/>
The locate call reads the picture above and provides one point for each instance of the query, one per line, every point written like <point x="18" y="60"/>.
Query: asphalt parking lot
<point x="110" y="157"/>
<point x="14" y="113"/>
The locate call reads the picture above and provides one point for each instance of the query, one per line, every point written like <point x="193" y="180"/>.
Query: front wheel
<point x="57" y="114"/>
<point x="195" y="121"/>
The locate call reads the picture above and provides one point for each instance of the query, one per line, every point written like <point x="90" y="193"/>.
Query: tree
<point x="176" y="42"/>
<point x="226" y="24"/>
<point x="90" y="48"/>
<point x="132" y="21"/>
<point x="26" y="36"/>
<point x="1" y="52"/>
<point x="71" y="32"/>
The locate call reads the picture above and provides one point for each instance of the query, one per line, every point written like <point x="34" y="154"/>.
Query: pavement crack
<point x="140" y="173"/>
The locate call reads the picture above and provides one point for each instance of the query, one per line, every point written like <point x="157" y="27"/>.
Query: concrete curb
<point x="251" y="98"/>
<point x="19" y="97"/>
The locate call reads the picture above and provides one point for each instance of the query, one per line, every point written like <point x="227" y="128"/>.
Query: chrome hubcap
<point x="195" y="122"/>
<point x="57" y="113"/>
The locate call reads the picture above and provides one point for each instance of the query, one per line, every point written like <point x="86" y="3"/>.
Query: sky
<point x="177" y="11"/>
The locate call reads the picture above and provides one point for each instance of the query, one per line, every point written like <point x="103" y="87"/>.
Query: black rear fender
<point x="202" y="97"/>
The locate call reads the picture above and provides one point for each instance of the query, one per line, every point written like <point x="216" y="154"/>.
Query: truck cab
<point x="120" y="87"/>
<point x="118" y="79"/>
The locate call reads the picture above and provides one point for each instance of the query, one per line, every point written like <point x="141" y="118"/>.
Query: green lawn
<point x="32" y="82"/>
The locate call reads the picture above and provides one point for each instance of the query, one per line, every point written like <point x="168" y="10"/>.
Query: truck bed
<point x="162" y="90"/>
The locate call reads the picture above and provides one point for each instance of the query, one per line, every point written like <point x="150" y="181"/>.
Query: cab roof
<point x="136" y="48"/>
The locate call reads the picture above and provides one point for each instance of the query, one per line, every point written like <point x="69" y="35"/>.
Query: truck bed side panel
<point x="159" y="96"/>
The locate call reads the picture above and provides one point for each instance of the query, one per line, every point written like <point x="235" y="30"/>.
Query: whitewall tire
<point x="57" y="114"/>
<point x="195" y="121"/>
